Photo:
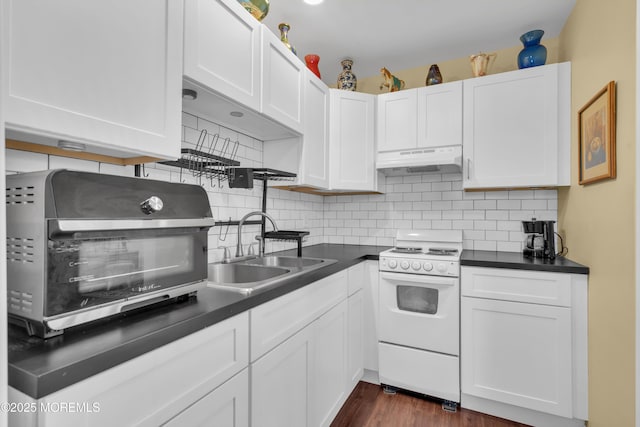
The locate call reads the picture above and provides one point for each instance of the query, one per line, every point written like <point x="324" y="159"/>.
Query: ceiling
<point x="405" y="34"/>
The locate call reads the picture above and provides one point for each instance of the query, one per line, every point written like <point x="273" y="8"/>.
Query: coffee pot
<point x="540" y="239"/>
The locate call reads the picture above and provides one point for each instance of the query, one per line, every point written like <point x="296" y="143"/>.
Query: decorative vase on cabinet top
<point x="258" y="8"/>
<point x="433" y="76"/>
<point x="480" y="63"/>
<point x="346" y="79"/>
<point x="312" y="61"/>
<point x="533" y="54"/>
<point x="284" y="36"/>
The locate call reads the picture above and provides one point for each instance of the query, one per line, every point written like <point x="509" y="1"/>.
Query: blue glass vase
<point x="533" y="54"/>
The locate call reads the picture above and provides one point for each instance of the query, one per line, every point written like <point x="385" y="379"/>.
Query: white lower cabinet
<point x="153" y="388"/>
<point x="227" y="406"/>
<point x="329" y="368"/>
<point x="524" y="345"/>
<point x="305" y="379"/>
<point x="302" y="382"/>
<point x="518" y="353"/>
<point x="280" y="384"/>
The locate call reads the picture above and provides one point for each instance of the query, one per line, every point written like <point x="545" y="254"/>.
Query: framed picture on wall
<point x="597" y="136"/>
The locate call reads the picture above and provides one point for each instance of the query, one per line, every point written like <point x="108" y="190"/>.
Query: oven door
<point x="420" y="311"/>
<point x="92" y="269"/>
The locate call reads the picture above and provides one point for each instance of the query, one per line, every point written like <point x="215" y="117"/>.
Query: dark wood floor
<point x="369" y="406"/>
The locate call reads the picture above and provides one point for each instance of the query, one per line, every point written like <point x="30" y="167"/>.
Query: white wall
<point x="489" y="220"/>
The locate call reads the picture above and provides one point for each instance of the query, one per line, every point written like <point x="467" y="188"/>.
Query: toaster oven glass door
<point x="92" y="271"/>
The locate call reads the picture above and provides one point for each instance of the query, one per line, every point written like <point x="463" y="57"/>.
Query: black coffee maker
<point x="540" y="239"/>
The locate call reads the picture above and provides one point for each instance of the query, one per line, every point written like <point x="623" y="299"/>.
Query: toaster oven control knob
<point x="393" y="263"/>
<point x="404" y="265"/>
<point x="427" y="266"/>
<point x="441" y="267"/>
<point x="151" y="205"/>
<point x="415" y="266"/>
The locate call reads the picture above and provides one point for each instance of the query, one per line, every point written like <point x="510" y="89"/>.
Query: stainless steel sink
<point x="243" y="273"/>
<point x="250" y="275"/>
<point x="285" y="261"/>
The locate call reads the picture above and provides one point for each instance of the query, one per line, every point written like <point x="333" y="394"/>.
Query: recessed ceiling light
<point x="237" y="113"/>
<point x="71" y="145"/>
<point x="189" y="94"/>
<point x="314" y="2"/>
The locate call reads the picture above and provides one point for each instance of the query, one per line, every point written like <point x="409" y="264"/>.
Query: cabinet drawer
<point x="538" y="287"/>
<point x="152" y="388"/>
<point x="275" y="321"/>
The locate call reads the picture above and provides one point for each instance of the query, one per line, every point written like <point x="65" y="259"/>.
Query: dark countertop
<point x="515" y="260"/>
<point x="40" y="367"/>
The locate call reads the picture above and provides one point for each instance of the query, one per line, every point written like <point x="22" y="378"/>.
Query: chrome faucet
<point x="239" y="251"/>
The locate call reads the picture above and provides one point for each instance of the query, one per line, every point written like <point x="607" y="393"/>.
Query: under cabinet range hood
<point x="419" y="160"/>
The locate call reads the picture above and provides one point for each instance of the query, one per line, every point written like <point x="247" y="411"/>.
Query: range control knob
<point x="404" y="265"/>
<point x="393" y="263"/>
<point x="442" y="267"/>
<point x="151" y="205"/>
<point x="427" y="266"/>
<point x="415" y="266"/>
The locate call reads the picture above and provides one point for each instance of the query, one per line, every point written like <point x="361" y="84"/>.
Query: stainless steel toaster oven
<point x="83" y="246"/>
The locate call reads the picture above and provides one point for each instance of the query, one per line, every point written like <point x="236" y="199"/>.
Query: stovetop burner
<point x="442" y="251"/>
<point x="407" y="250"/>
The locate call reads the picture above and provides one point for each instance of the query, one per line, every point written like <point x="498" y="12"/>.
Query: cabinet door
<point x="107" y="74"/>
<point x="439" y="115"/>
<point x="280" y="384"/>
<point x="275" y="321"/>
<point x="355" y="339"/>
<point x="517" y="353"/>
<point x="282" y="82"/>
<point x="222" y="49"/>
<point x="352" y="144"/>
<point x="396" y="120"/>
<point x="516" y="128"/>
<point x="227" y="405"/>
<point x="329" y="368"/>
<point x="314" y="167"/>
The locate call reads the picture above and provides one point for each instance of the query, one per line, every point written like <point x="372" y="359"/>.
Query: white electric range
<point x="419" y="330"/>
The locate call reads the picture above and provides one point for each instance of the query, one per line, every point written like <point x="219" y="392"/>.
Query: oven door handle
<point x="420" y="279"/>
<point x="74" y="225"/>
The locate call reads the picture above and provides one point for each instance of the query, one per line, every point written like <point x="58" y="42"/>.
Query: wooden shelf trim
<point x="55" y="151"/>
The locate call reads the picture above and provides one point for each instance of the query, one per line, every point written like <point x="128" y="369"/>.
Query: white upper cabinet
<point x="352" y="144"/>
<point x="106" y="74"/>
<point x="282" y="82"/>
<point x="222" y="49"/>
<point x="425" y="117"/>
<point x="314" y="170"/>
<point x="397" y="120"/>
<point x="516" y="128"/>
<point x="439" y="115"/>
<point x="223" y="64"/>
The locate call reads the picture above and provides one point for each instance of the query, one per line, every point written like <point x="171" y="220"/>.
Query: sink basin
<point x="285" y="261"/>
<point x="243" y="273"/>
<point x="257" y="274"/>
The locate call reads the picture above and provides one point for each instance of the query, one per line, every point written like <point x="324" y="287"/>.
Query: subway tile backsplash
<point x="488" y="220"/>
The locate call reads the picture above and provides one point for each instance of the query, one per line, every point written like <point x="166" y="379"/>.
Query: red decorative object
<point x="312" y="64"/>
